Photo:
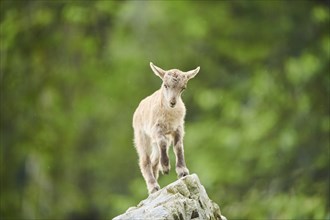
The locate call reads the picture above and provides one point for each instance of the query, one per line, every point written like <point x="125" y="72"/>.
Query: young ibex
<point x="158" y="122"/>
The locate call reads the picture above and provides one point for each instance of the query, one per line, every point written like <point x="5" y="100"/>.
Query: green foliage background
<point x="257" y="125"/>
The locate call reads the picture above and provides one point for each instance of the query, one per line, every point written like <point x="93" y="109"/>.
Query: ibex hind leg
<point x="146" y="170"/>
<point x="155" y="156"/>
<point x="143" y="149"/>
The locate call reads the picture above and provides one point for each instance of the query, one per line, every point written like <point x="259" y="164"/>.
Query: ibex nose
<point x="172" y="103"/>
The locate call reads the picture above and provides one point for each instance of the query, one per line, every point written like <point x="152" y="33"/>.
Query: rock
<point x="184" y="199"/>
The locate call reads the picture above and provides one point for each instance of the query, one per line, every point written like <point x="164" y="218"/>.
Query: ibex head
<point x="174" y="82"/>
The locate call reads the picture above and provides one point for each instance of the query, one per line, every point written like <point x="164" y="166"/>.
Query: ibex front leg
<point x="181" y="168"/>
<point x="163" y="145"/>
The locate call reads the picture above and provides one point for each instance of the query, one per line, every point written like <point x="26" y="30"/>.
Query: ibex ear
<point x="192" y="73"/>
<point x="158" y="71"/>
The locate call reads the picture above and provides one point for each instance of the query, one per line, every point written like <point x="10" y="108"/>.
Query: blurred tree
<point x="257" y="128"/>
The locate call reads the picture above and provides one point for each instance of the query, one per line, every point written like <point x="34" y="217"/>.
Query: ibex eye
<point x="166" y="86"/>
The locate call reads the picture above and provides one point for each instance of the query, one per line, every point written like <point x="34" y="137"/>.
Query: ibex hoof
<point x="154" y="189"/>
<point x="166" y="169"/>
<point x="182" y="172"/>
<point x="183" y="175"/>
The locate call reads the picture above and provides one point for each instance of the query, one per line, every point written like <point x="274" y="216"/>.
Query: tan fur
<point x="158" y="122"/>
